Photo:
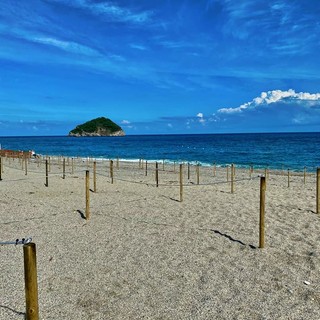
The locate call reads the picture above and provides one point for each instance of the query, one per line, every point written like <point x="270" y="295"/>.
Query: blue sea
<point x="275" y="150"/>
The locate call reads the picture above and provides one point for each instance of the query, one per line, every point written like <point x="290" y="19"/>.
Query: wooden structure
<point x="15" y="153"/>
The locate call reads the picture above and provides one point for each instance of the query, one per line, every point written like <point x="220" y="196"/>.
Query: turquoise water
<point x="276" y="150"/>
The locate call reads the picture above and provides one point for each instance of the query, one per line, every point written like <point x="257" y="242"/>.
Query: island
<point x="99" y="127"/>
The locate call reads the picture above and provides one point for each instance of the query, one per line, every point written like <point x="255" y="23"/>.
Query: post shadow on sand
<point x="232" y="239"/>
<point x="13" y="311"/>
<point x="81" y="214"/>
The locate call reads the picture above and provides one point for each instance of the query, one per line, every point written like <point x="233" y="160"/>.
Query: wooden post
<point x="30" y="280"/>
<point x="0" y="168"/>
<point x="111" y="171"/>
<point x="250" y="173"/>
<point x="181" y="182"/>
<point x="94" y="176"/>
<point x="49" y="164"/>
<point x="47" y="175"/>
<point x="198" y="173"/>
<point x="72" y="166"/>
<point x="87" y="195"/>
<point x="139" y="163"/>
<point x="304" y="175"/>
<point x="214" y="169"/>
<point x="26" y="165"/>
<point x="232" y="178"/>
<point x="64" y="168"/>
<point x="188" y="170"/>
<point x="227" y="174"/>
<point x="288" y="178"/>
<point x="118" y="163"/>
<point x="174" y="166"/>
<point x="146" y="168"/>
<point x="163" y="165"/>
<point x="262" y="210"/>
<point x="266" y="173"/>
<point x="318" y="191"/>
<point x="157" y="175"/>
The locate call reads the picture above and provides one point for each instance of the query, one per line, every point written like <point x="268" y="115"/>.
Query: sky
<point x="160" y="66"/>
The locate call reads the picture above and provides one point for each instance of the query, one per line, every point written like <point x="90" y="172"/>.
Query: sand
<point x="143" y="254"/>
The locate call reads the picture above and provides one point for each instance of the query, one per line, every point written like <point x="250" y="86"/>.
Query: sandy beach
<point x="143" y="254"/>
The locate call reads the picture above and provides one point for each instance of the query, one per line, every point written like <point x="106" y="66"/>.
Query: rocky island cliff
<point x="99" y="127"/>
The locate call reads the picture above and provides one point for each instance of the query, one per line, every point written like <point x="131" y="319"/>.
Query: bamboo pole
<point x="318" y="191"/>
<point x="188" y="170"/>
<point x="118" y="163"/>
<point x="72" y="166"/>
<point x="232" y="178"/>
<point x="181" y="182"/>
<point x="30" y="279"/>
<point x="198" y="173"/>
<point x="146" y="173"/>
<point x="64" y="168"/>
<point x="157" y="175"/>
<point x="94" y="176"/>
<point x="87" y="195"/>
<point x="47" y="175"/>
<point x="262" y="210"/>
<point x="26" y="165"/>
<point x="174" y="166"/>
<point x="111" y="171"/>
<point x="288" y="178"/>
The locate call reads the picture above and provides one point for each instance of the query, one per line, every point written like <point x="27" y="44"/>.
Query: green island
<point x="98" y="127"/>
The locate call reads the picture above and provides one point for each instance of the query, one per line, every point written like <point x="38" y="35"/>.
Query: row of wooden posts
<point x="232" y="180"/>
<point x="24" y="164"/>
<point x="29" y="250"/>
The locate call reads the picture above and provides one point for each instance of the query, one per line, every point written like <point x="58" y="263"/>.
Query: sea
<point x="294" y="151"/>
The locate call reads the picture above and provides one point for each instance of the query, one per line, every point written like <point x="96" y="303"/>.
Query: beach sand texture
<point x="145" y="255"/>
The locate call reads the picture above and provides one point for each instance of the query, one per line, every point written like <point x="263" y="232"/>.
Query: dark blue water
<point x="276" y="150"/>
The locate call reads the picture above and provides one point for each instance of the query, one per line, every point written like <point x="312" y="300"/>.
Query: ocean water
<point x="275" y="150"/>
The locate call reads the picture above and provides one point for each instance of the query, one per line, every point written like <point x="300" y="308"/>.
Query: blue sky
<point x="167" y="66"/>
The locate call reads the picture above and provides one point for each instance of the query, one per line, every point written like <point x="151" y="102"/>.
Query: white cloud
<point x="110" y="11"/>
<point x="138" y="47"/>
<point x="125" y="122"/>
<point x="274" y="96"/>
<point x="201" y="118"/>
<point x="66" y="45"/>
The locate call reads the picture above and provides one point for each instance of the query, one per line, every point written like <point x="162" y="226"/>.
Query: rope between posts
<point x="177" y="185"/>
<point x="17" y="241"/>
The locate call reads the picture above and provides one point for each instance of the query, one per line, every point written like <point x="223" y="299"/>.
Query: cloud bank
<point x="304" y="99"/>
